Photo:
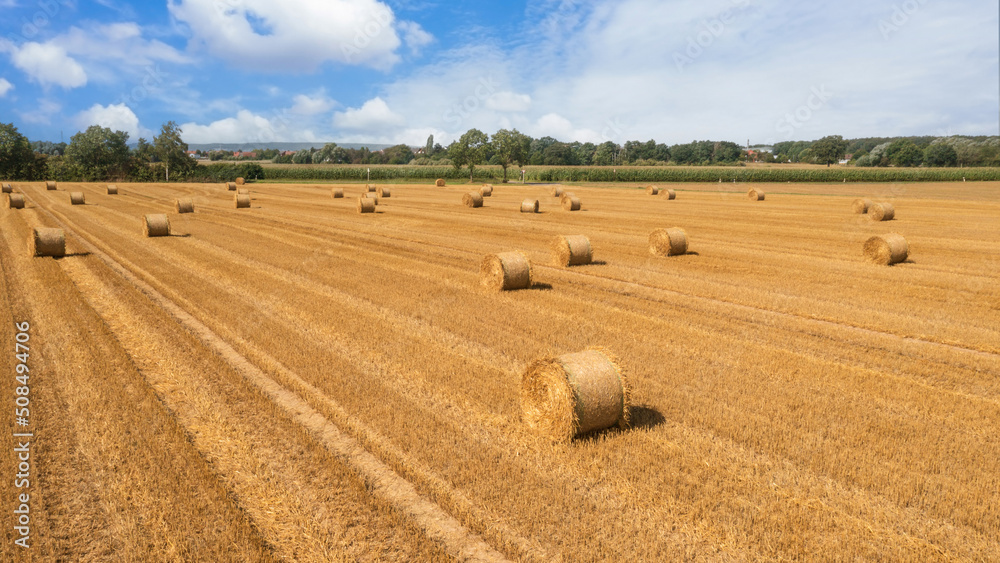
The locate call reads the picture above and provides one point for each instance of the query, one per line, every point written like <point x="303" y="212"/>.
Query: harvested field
<point x="300" y="382"/>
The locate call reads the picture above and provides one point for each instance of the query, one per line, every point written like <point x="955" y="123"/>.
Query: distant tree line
<point x="897" y="151"/>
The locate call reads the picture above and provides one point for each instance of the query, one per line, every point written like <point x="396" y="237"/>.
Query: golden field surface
<point x="298" y="381"/>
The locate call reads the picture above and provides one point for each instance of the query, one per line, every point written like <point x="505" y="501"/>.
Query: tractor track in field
<point x="381" y="479"/>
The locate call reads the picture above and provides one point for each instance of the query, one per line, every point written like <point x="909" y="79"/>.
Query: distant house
<point x="288" y="153"/>
<point x="239" y="154"/>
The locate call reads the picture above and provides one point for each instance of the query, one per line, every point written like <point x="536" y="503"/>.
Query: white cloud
<point x="509" y="102"/>
<point x="312" y="105"/>
<point x="296" y="35"/>
<point x="5" y="86"/>
<point x="49" y="65"/>
<point x="250" y="129"/>
<point x="117" y="117"/>
<point x="558" y="127"/>
<point x="414" y="36"/>
<point x="47" y="109"/>
<point x="374" y="116"/>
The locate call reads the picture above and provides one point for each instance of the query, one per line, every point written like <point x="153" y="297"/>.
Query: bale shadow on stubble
<point x="537" y="286"/>
<point x="72" y="255"/>
<point x="642" y="418"/>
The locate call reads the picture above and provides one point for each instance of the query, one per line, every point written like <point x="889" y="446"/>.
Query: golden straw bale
<point x="756" y="194"/>
<point x="558" y="191"/>
<point x="243" y="191"/>
<point x="505" y="271"/>
<point x="668" y="242"/>
<point x="573" y="394"/>
<point x="156" y="225"/>
<point x="231" y="186"/>
<point x="572" y="250"/>
<point x="473" y="199"/>
<point x="112" y="189"/>
<point x="50" y="185"/>
<point x="882" y="212"/>
<point x="338" y="193"/>
<point x="15" y="201"/>
<point x="47" y="242"/>
<point x="887" y="250"/>
<point x="439" y="183"/>
<point x="7" y="189"/>
<point x="240" y="181"/>
<point x="184" y="205"/>
<point x="652" y="190"/>
<point x="371" y="188"/>
<point x="241" y="201"/>
<point x="77" y="198"/>
<point x="372" y="196"/>
<point x="670" y="193"/>
<point x="486" y="190"/>
<point x="861" y="206"/>
<point x="529" y="206"/>
<point x="571" y="203"/>
<point x="384" y="191"/>
<point x="366" y="205"/>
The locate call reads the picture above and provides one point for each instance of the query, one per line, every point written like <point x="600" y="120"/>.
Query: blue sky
<point x="255" y="71"/>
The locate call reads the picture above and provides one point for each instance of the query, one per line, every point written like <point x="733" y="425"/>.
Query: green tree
<point x="510" y="147"/>
<point x="940" y="154"/>
<point x="470" y="150"/>
<point x="17" y="160"/>
<point x="429" y="147"/>
<point x="829" y="149"/>
<point x="604" y="154"/>
<point x="902" y="152"/>
<point x="171" y="150"/>
<point x="399" y="154"/>
<point x="100" y="154"/>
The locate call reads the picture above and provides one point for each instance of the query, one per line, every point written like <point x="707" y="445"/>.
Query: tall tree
<point x="172" y="151"/>
<point x="469" y="150"/>
<point x="510" y="147"/>
<point x="829" y="149"/>
<point x="429" y="147"/>
<point x="100" y="153"/>
<point x="16" y="156"/>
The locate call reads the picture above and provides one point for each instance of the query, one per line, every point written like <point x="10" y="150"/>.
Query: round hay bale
<point x="887" y="250"/>
<point x="861" y="206"/>
<point x="240" y="181"/>
<point x="366" y="205"/>
<point x="156" y="225"/>
<point x="76" y="198"/>
<point x="242" y="201"/>
<point x="439" y="183"/>
<point x="558" y="191"/>
<point x="231" y="186"/>
<point x="670" y="193"/>
<point x="486" y="190"/>
<point x="756" y="194"/>
<point x="473" y="199"/>
<point x="372" y="196"/>
<point x="371" y="188"/>
<point x="668" y="242"/>
<point x="112" y="189"/>
<point x="572" y="250"/>
<point x="529" y="206"/>
<point x="574" y="394"/>
<point x="47" y="242"/>
<point x="652" y="190"/>
<point x="242" y="191"/>
<point x="505" y="271"/>
<point x="50" y="185"/>
<point x="338" y="193"/>
<point x="7" y="189"/>
<point x="882" y="212"/>
<point x="184" y="205"/>
<point x="571" y="203"/>
<point x="384" y="191"/>
<point x="15" y="201"/>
